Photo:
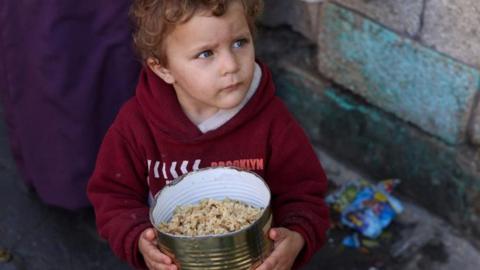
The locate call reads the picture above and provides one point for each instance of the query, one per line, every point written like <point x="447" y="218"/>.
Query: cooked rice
<point x="210" y="217"/>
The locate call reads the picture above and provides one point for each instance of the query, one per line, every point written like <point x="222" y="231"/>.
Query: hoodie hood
<point x="159" y="104"/>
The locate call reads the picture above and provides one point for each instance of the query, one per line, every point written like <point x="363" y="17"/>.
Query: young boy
<point x="202" y="101"/>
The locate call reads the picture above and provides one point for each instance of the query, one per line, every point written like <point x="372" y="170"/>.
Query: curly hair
<point x="155" y="19"/>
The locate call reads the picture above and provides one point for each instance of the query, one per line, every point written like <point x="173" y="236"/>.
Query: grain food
<point x="210" y="217"/>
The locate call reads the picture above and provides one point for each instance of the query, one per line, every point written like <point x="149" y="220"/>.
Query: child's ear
<point x="160" y="70"/>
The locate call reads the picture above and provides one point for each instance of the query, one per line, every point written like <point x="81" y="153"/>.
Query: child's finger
<point x="149" y="234"/>
<point x="277" y="234"/>
<point x="268" y="264"/>
<point x="155" y="255"/>
<point x="150" y="250"/>
<point x="273" y="234"/>
<point x="160" y="266"/>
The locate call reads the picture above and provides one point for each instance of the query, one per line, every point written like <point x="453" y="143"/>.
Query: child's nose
<point x="229" y="64"/>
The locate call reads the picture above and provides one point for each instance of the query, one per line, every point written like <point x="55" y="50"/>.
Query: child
<point x="202" y="101"/>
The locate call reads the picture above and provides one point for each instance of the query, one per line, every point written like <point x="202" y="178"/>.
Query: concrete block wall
<point x="392" y="87"/>
<point x="430" y="48"/>
<point x="302" y="16"/>
<point x="436" y="175"/>
<point x="417" y="84"/>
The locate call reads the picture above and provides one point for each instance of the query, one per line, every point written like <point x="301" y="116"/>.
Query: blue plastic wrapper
<point x="366" y="208"/>
<point x="351" y="241"/>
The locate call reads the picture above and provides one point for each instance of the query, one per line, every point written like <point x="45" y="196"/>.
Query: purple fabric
<point x="66" y="67"/>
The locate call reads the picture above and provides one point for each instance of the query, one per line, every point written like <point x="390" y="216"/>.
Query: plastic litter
<point x="366" y="208"/>
<point x="351" y="241"/>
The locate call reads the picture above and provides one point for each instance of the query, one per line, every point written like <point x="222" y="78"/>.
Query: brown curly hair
<point x="155" y="19"/>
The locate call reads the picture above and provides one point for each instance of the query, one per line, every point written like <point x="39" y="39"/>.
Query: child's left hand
<point x="287" y="245"/>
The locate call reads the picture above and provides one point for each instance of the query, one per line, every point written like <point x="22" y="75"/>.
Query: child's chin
<point x="232" y="101"/>
<point x="229" y="105"/>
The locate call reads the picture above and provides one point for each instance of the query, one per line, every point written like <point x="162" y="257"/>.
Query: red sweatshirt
<point x="152" y="141"/>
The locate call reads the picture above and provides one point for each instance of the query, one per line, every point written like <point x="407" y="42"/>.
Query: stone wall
<point x="389" y="86"/>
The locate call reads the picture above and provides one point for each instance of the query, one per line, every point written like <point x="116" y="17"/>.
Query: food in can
<point x="210" y="217"/>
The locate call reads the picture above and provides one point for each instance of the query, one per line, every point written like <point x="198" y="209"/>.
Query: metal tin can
<point x="242" y="249"/>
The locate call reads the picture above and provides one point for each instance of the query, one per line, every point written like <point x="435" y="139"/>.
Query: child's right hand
<point x="153" y="257"/>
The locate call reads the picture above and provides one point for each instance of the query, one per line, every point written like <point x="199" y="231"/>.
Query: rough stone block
<point x="417" y="84"/>
<point x="301" y="15"/>
<point x="475" y="126"/>
<point x="452" y="27"/>
<point x="402" y="16"/>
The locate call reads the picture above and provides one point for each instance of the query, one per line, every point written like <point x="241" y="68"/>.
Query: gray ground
<point x="34" y="236"/>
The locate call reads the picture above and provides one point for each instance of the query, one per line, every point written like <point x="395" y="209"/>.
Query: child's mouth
<point x="232" y="87"/>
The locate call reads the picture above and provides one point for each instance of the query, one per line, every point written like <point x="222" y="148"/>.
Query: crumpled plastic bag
<point x="366" y="208"/>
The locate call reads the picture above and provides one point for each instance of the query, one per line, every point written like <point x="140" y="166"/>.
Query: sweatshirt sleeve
<point x="119" y="194"/>
<point x="298" y="184"/>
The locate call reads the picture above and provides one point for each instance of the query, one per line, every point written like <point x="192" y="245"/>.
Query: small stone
<point x="5" y="255"/>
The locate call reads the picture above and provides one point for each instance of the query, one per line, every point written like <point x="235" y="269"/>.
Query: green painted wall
<point x="401" y="76"/>
<point x="441" y="177"/>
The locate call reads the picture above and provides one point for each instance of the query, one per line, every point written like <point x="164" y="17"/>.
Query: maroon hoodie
<point x="152" y="141"/>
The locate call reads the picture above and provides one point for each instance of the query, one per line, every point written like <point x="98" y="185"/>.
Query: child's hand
<point x="287" y="245"/>
<point x="153" y="257"/>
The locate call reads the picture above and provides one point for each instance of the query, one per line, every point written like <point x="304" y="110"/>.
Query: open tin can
<point x="242" y="249"/>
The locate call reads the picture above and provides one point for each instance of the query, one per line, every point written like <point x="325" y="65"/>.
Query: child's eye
<point x="240" y="43"/>
<point x="205" y="54"/>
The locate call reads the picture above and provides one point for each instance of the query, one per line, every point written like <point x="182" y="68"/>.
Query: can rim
<point x="209" y="236"/>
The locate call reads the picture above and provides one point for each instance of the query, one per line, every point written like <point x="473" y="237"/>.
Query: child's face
<point x="210" y="61"/>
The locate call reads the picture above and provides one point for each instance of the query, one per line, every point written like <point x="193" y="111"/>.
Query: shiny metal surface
<point x="239" y="250"/>
<point x="243" y="249"/>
